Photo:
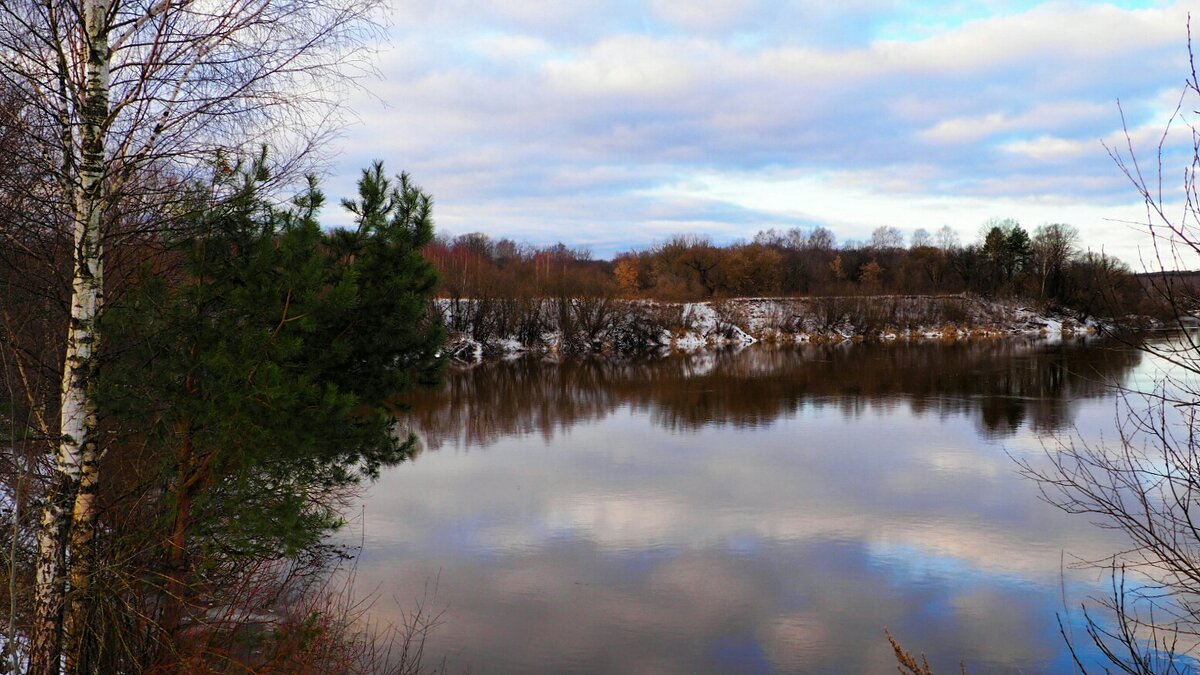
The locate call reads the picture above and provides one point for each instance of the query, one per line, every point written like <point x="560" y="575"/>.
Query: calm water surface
<point x="769" y="510"/>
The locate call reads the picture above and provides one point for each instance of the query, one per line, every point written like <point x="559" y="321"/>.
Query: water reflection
<point x="1001" y="382"/>
<point x="769" y="510"/>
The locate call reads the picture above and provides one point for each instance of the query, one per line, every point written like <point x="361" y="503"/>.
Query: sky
<point x="614" y="124"/>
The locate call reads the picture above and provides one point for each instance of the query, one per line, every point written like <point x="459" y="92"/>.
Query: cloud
<point x="548" y="117"/>
<point x="706" y="15"/>
<point x="853" y="205"/>
<point x="508" y="47"/>
<point x="1057" y="115"/>
<point x="1044" y="35"/>
<point x="634" y="66"/>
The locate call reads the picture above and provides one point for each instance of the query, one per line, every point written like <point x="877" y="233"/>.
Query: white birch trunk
<point x="75" y="461"/>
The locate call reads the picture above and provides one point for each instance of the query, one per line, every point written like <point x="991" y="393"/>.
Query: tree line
<point x="1050" y="266"/>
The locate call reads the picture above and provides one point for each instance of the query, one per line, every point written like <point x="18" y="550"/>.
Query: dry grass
<point x="908" y="664"/>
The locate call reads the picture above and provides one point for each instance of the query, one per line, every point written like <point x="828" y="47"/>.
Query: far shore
<point x="495" y="327"/>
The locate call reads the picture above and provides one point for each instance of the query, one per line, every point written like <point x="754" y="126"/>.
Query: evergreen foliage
<point x="263" y="377"/>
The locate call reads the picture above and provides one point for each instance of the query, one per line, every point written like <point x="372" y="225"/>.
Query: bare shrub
<point x="306" y="618"/>
<point x="677" y="318"/>
<point x="954" y="310"/>
<point x="870" y="316"/>
<point x="641" y="328"/>
<point x="783" y="317"/>
<point x="830" y="312"/>
<point x="730" y="318"/>
<point x="592" y="318"/>
<point x="1146" y="483"/>
<point x="521" y="318"/>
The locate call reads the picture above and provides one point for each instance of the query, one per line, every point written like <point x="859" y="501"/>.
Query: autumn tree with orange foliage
<point x="1047" y="268"/>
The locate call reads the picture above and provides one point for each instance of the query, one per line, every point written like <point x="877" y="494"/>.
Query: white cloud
<point x="507" y="47"/>
<point x="632" y="65"/>
<point x="1045" y="35"/>
<point x="1044" y="148"/>
<point x="704" y="15"/>
<point x="1053" y="115"/>
<point x="854" y="208"/>
<point x="1164" y="126"/>
<point x="567" y="120"/>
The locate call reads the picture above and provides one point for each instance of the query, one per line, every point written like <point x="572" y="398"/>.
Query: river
<point x="765" y="510"/>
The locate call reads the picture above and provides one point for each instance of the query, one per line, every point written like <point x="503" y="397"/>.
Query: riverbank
<point x="482" y="328"/>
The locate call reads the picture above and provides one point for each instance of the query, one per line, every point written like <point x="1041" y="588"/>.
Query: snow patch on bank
<point x="557" y="327"/>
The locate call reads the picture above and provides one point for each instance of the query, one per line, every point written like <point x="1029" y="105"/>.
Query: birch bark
<point x="134" y="99"/>
<point x="69" y="513"/>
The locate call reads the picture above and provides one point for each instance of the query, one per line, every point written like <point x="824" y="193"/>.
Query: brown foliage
<point x="688" y="268"/>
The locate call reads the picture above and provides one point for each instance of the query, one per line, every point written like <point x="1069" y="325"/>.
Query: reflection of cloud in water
<point x="817" y="606"/>
<point x="808" y="477"/>
<point x="812" y="498"/>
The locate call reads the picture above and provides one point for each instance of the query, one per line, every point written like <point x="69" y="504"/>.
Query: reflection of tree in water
<point x="1003" y="382"/>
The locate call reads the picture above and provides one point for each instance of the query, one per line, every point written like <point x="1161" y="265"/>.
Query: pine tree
<point x="1018" y="250"/>
<point x="267" y="373"/>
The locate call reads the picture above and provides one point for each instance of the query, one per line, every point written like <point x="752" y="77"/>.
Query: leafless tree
<point x="820" y="239"/>
<point x="921" y="238"/>
<point x="947" y="238"/>
<point x="1052" y="249"/>
<point x="1145" y="483"/>
<point x="886" y="237"/>
<point x="118" y="106"/>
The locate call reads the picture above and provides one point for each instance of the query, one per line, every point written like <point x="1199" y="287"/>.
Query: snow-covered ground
<point x="581" y="326"/>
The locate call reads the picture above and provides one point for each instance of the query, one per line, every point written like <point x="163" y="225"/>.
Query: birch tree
<point x="132" y="97"/>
